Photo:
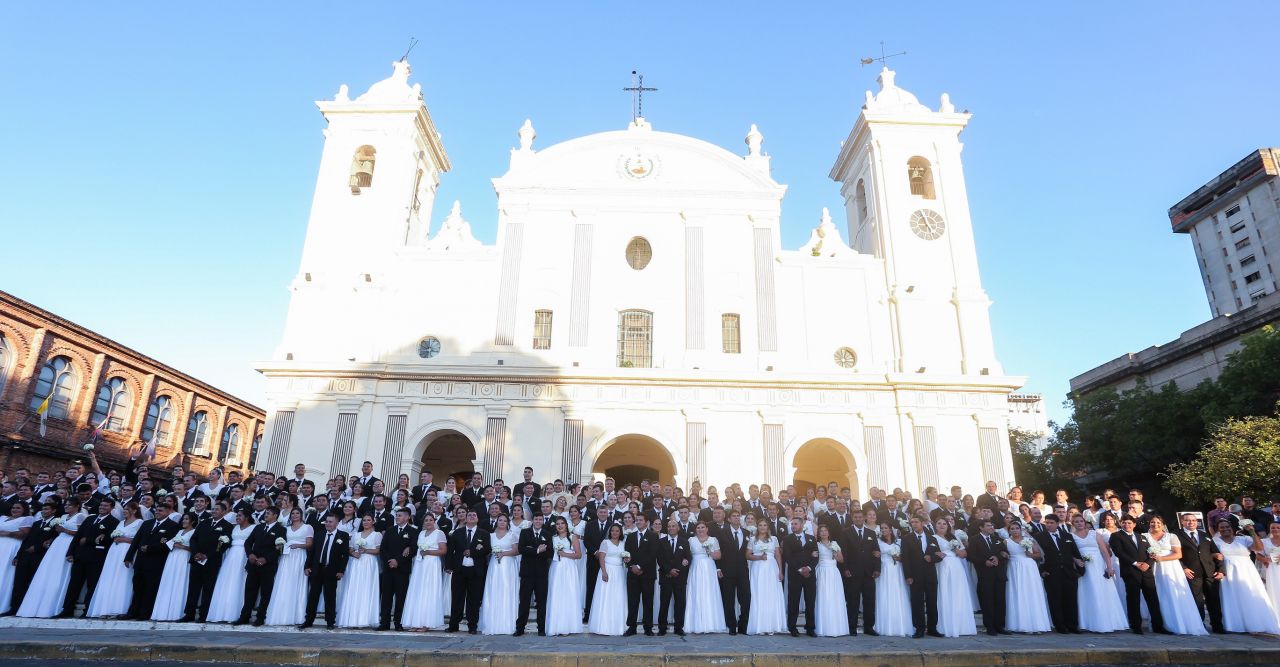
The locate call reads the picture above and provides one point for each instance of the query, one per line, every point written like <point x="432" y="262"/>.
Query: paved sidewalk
<point x="56" y="641"/>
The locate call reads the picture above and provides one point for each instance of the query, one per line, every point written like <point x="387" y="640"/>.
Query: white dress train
<point x="703" y="610"/>
<point x="8" y="550"/>
<point x="832" y="618"/>
<point x="1027" y="605"/>
<point x="171" y="598"/>
<point x="361" y="606"/>
<point x="1099" y="608"/>
<point x="114" y="592"/>
<point x="768" y="602"/>
<point x="893" y="598"/>
<point x="1272" y="554"/>
<point x="564" y="591"/>
<point x="424" y="602"/>
<point x="955" y="603"/>
<point x="609" y="602"/>
<point x="1177" y="605"/>
<point x="289" y="594"/>
<point x="501" y="600"/>
<point x="228" y="589"/>
<point x="1245" y="604"/>
<point x="49" y="585"/>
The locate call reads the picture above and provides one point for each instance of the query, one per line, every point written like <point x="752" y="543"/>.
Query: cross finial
<point x="637" y="91"/>
<point x="883" y="57"/>
<point x="412" y="43"/>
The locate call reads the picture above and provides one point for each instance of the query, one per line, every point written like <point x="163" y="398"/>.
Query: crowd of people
<point x="619" y="560"/>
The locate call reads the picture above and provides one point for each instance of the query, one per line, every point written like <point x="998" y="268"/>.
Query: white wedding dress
<point x="228" y="590"/>
<point x="289" y="593"/>
<point x="171" y="598"/>
<point x="1177" y="605"/>
<point x="1099" y="608"/>
<point x="703" y="611"/>
<point x="114" y="592"/>
<point x="49" y="585"/>
<point x="8" y="550"/>
<point x="955" y="601"/>
<point x="361" y="605"/>
<point x="564" y="591"/>
<point x="1027" y="605"/>
<point x="424" y="601"/>
<point x="501" y="601"/>
<point x="1273" y="571"/>
<point x="581" y="563"/>
<point x="768" y="603"/>
<point x="1245" y="604"/>
<point x="893" y="598"/>
<point x="832" y="618"/>
<point x="609" y="602"/>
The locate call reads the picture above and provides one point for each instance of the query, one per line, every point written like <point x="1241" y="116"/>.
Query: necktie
<point x="1055" y="540"/>
<point x="673" y="546"/>
<point x="1195" y="539"/>
<point x="736" y="540"/>
<point x="469" y="533"/>
<point x="988" y="543"/>
<point x="324" y="555"/>
<point x="1134" y="536"/>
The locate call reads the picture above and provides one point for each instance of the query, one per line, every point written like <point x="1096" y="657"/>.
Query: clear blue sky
<point x="161" y="156"/>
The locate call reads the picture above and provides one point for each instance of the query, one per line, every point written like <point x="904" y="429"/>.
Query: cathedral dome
<point x="891" y="98"/>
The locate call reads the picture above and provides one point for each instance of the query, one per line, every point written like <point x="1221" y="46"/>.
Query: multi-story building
<point x="91" y="383"/>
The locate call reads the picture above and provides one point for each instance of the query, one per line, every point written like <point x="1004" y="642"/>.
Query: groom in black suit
<point x="800" y="557"/>
<point x="1061" y="569"/>
<point x="88" y="552"/>
<point x="264" y="559"/>
<point x="146" y="555"/>
<point x="326" y="562"/>
<point x="990" y="557"/>
<point x="468" y="562"/>
<point x="207" y="547"/>
<point x="735" y="581"/>
<point x="1203" y="569"/>
<point x="641" y="571"/>
<point x="920" y="556"/>
<point x="1131" y="549"/>
<point x="673" y="566"/>
<point x="399" y="543"/>
<point x="535" y="563"/>
<point x="862" y="568"/>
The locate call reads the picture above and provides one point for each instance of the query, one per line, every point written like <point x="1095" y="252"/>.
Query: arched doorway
<point x="631" y="458"/>
<point x="821" y="461"/>
<point x="448" y="453"/>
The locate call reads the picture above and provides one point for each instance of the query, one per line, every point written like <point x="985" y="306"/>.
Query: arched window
<point x="731" y="333"/>
<point x="159" y="421"/>
<point x="253" y="452"/>
<point x="197" y="439"/>
<point x="635" y="339"/>
<point x="920" y="174"/>
<point x="231" y="443"/>
<point x="57" y="382"/>
<point x="5" y="357"/>
<point x="112" y="408"/>
<point x="860" y="202"/>
<point x="362" y="168"/>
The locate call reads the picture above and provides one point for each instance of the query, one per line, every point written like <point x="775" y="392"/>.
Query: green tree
<point x="1249" y="384"/>
<point x="1240" y="457"/>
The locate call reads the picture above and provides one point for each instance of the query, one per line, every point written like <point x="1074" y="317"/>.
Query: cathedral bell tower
<point x="905" y="199"/>
<point x="377" y="182"/>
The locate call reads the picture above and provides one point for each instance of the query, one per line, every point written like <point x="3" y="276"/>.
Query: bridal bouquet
<point x="894" y="552"/>
<point x="1027" y="544"/>
<point x="117" y="533"/>
<point x="955" y="544"/>
<point x="280" y="544"/>
<point x="55" y="522"/>
<point x="1246" y="523"/>
<point x="115" y="490"/>
<point x="706" y="546"/>
<point x="905" y="525"/>
<point x="422" y="542"/>
<point x="560" y="545"/>
<point x="624" y="555"/>
<point x="835" y="548"/>
<point x="179" y="539"/>
<point x="1086" y="558"/>
<point x="1275" y="554"/>
<point x="160" y="493"/>
<point x="88" y="447"/>
<point x="1154" y="550"/>
<point x="224" y="540"/>
<point x="359" y="543"/>
<point x="627" y="531"/>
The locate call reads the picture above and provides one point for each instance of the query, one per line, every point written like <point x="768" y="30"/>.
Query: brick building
<point x="92" y="380"/>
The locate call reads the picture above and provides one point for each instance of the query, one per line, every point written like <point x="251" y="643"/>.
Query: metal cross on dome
<point x="883" y="57"/>
<point x="637" y="90"/>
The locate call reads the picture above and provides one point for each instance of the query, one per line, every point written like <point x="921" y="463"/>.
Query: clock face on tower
<point x="927" y="224"/>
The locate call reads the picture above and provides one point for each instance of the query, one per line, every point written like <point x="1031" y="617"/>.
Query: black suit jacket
<point x="262" y="542"/>
<point x="419" y="492"/>
<point x="395" y="540"/>
<point x="1060" y="559"/>
<point x="1199" y="558"/>
<point x="339" y="551"/>
<point x="673" y="558"/>
<point x="478" y="545"/>
<point x="94" y="538"/>
<point x="860" y="559"/>
<point x="914" y="566"/>
<point x="797" y="555"/>
<point x="532" y="563"/>
<point x="32" y="549"/>
<point x="153" y="534"/>
<point x="643" y="547"/>
<point x="1128" y="554"/>
<point x="979" y="554"/>
<point x="592" y="536"/>
<point x="733" y="557"/>
<point x="471" y="496"/>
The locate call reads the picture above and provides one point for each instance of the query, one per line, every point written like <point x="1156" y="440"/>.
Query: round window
<point x="639" y="252"/>
<point x="846" y="358"/>
<point x="429" y="347"/>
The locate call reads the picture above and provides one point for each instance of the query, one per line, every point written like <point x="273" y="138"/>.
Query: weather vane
<point x="637" y="91"/>
<point x="412" y="43"/>
<point x="883" y="57"/>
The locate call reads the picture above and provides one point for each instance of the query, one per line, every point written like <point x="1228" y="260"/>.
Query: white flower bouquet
<point x="560" y="545"/>
<point x="894" y="552"/>
<point x="1028" y="544"/>
<point x="1246" y="523"/>
<point x="224" y="540"/>
<point x="359" y="543"/>
<point x="422" y="542"/>
<point x="627" y="531"/>
<point x="180" y="540"/>
<point x="835" y="548"/>
<point x="115" y="490"/>
<point x="117" y="533"/>
<point x="955" y="544"/>
<point x="280" y="544"/>
<point x="160" y="493"/>
<point x="1086" y="558"/>
<point x="1154" y="550"/>
<point x="905" y="525"/>
<point x="624" y="555"/>
<point x="88" y="447"/>
<point x="706" y="546"/>
<point x="56" y="522"/>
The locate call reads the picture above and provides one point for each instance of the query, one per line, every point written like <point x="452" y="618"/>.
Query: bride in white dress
<point x="13" y="529"/>
<point x="228" y="590"/>
<point x="424" y="601"/>
<point x="832" y="614"/>
<point x="893" y="598"/>
<point x="1027" y="605"/>
<point x="578" y="527"/>
<point x="501" y="599"/>
<point x="361" y="606"/>
<point x="1177" y="605"/>
<point x="1270" y="559"/>
<point x="768" y="603"/>
<point x="1099" y="608"/>
<point x="289" y="593"/>
<point x="114" y="592"/>
<point x="171" y="598"/>
<point x="703" y="610"/>
<point x="49" y="585"/>
<point x="609" y="602"/>
<point x="955" y="602"/>
<point x="564" y="583"/>
<point x="1245" y="605"/>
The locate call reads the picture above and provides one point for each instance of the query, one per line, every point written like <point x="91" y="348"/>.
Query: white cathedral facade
<point x="637" y="316"/>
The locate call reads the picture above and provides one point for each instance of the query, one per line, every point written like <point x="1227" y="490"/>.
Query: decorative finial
<point x="637" y="90"/>
<point x="527" y="135"/>
<point x="344" y="94"/>
<point x="947" y="106"/>
<point x="754" y="139"/>
<point x="455" y="213"/>
<point x="825" y="220"/>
